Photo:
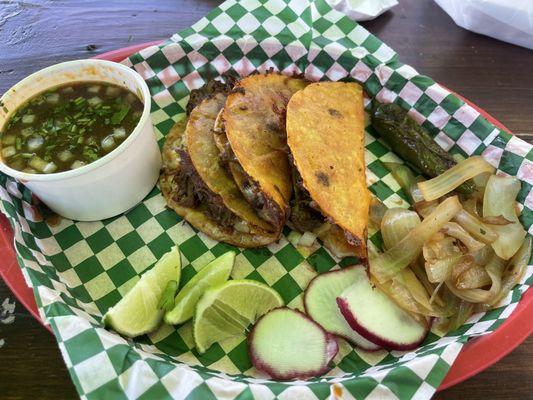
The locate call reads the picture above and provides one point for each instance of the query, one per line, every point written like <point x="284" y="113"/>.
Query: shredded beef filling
<point x="192" y="192"/>
<point x="265" y="207"/>
<point x="305" y="213"/>
<point x="353" y="240"/>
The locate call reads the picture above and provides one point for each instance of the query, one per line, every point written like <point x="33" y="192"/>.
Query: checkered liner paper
<point x="78" y="270"/>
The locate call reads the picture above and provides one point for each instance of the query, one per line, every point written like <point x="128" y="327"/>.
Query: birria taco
<point x="325" y="134"/>
<point x="197" y="188"/>
<point x="253" y="142"/>
<point x="225" y="170"/>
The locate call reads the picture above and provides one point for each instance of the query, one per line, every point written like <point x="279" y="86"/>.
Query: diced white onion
<point x="64" y="155"/>
<point x="242" y="226"/>
<point x="293" y="237"/>
<point x="8" y="151"/>
<point x="35" y="142"/>
<point x="307" y="239"/>
<point x="52" y="98"/>
<point x="130" y="98"/>
<point x="93" y="101"/>
<point x="38" y="163"/>
<point x="68" y="89"/>
<point x="93" y="89"/>
<point x="8" y="139"/>
<point x="28" y="119"/>
<point x="119" y="133"/>
<point x="27" y="131"/>
<point x="50" y="167"/>
<point x="108" y="142"/>
<point x="77" y="164"/>
<point x="29" y="171"/>
<point x="112" y="91"/>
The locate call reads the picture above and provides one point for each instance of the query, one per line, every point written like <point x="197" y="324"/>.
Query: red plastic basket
<point x="476" y="355"/>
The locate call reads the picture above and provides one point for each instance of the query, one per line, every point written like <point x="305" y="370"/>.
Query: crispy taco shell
<point x="204" y="153"/>
<point x="254" y="121"/>
<point x="196" y="216"/>
<point x="325" y="133"/>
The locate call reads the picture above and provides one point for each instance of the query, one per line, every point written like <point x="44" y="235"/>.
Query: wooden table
<point x="495" y="75"/>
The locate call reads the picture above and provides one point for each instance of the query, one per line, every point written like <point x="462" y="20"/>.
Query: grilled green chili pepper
<point x="412" y="143"/>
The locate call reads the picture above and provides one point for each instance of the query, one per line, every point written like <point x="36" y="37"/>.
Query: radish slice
<point x="286" y="344"/>
<point x="376" y="317"/>
<point x="320" y="304"/>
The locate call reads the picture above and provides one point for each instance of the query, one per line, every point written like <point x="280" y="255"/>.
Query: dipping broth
<point x="68" y="127"/>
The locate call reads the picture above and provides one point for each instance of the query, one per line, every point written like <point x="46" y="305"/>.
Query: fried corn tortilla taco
<point x="325" y="134"/>
<point x="204" y="154"/>
<point x="253" y="145"/>
<point x="196" y="186"/>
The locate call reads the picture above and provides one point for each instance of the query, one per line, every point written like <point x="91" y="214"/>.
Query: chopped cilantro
<point x="117" y="117"/>
<point x="66" y="120"/>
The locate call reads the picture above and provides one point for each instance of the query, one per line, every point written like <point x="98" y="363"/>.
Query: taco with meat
<point x="226" y="170"/>
<point x="325" y="135"/>
<point x="198" y="187"/>
<point x="251" y="136"/>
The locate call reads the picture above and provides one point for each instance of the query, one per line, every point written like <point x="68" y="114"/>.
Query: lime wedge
<point x="137" y="312"/>
<point x="228" y="310"/>
<point x="213" y="274"/>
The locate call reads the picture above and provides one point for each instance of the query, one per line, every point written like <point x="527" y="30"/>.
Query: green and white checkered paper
<point x="78" y="270"/>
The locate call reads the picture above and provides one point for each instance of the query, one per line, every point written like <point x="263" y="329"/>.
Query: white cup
<point x="110" y="185"/>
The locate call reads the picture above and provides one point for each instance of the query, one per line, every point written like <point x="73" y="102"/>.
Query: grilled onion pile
<point x="452" y="254"/>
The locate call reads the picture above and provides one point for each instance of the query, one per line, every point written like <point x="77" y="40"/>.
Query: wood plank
<point x="31" y="365"/>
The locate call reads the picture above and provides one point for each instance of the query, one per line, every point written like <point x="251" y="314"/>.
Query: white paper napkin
<point x="362" y="10"/>
<point x="507" y="20"/>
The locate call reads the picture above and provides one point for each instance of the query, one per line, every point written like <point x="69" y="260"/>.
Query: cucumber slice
<point x="377" y="318"/>
<point x="286" y="344"/>
<point x="321" y="305"/>
<point x="213" y="274"/>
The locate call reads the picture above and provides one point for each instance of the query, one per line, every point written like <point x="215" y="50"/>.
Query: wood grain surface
<point x="34" y="34"/>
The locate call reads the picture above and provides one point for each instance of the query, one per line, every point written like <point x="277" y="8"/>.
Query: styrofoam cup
<point x="110" y="185"/>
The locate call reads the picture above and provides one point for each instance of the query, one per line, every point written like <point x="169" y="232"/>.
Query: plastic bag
<point x="507" y="20"/>
<point x="362" y="10"/>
